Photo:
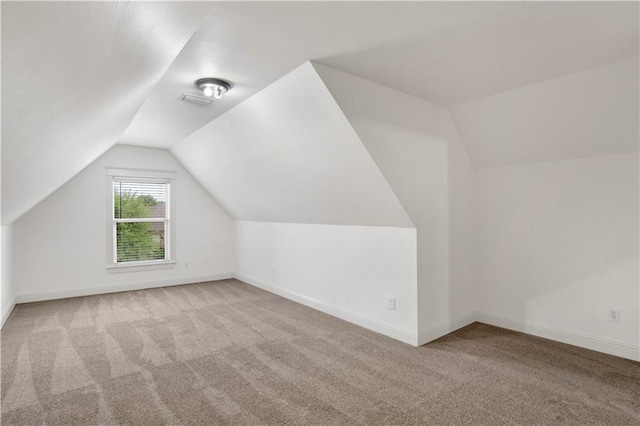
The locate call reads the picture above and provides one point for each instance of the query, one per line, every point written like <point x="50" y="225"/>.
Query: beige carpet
<point x="228" y="353"/>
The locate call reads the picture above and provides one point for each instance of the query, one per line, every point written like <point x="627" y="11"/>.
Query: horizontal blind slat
<point x="140" y="216"/>
<point x="140" y="199"/>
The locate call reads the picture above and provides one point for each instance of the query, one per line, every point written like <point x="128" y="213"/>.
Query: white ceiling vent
<point x="195" y="99"/>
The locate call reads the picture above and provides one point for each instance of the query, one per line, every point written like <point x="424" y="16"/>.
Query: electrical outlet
<point x="614" y="315"/>
<point x="186" y="265"/>
<point x="391" y="303"/>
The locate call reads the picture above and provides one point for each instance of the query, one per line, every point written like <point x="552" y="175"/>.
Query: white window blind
<point x="140" y="220"/>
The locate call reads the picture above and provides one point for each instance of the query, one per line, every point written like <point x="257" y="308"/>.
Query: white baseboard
<point x="399" y="333"/>
<point x="600" y="344"/>
<point x="7" y="311"/>
<point x="453" y="324"/>
<point x="139" y="285"/>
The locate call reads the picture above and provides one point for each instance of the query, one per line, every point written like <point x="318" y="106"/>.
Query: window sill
<point x="147" y="266"/>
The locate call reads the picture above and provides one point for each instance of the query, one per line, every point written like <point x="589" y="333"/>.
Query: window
<point x="140" y="211"/>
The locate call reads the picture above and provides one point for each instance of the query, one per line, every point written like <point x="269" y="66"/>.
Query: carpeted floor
<point x="228" y="353"/>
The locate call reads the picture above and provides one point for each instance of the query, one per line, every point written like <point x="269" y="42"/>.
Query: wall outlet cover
<point x="614" y="315"/>
<point x="391" y="303"/>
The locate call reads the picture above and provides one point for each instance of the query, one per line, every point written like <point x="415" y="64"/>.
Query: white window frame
<point x="131" y="175"/>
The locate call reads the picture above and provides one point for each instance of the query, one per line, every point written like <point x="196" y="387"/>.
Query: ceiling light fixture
<point x="213" y="86"/>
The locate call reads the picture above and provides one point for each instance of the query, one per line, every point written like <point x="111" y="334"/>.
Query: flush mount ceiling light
<point x="213" y="86"/>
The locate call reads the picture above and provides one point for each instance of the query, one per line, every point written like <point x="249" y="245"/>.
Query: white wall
<point x="287" y="154"/>
<point x="463" y="228"/>
<point x="6" y="275"/>
<point x="559" y="248"/>
<point x="415" y="145"/>
<point x="347" y="271"/>
<point x="60" y="245"/>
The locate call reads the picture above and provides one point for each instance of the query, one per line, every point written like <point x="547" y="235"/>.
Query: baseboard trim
<point x="583" y="340"/>
<point x="139" y="285"/>
<point x="446" y="327"/>
<point x="7" y="311"/>
<point x="600" y="344"/>
<point x="399" y="333"/>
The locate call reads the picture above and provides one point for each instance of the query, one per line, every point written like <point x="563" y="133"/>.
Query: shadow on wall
<point x="560" y="245"/>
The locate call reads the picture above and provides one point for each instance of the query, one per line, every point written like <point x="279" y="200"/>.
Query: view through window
<point x="140" y="220"/>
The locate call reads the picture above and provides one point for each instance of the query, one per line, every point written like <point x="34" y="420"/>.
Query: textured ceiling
<point x="254" y="44"/>
<point x="309" y="168"/>
<point x="79" y="77"/>
<point x="520" y="43"/>
<point x="444" y="52"/>
<point x="73" y="76"/>
<point x="593" y="112"/>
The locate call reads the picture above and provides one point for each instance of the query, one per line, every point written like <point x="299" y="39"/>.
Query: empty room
<point x="328" y="213"/>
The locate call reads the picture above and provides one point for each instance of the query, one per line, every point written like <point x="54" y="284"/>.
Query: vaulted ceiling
<point x="585" y="114"/>
<point x="80" y="77"/>
<point x="289" y="154"/>
<point x="74" y="74"/>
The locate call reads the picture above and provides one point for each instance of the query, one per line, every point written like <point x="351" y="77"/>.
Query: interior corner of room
<point x="412" y="181"/>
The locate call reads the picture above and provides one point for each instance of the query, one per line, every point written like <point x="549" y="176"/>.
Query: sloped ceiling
<point x="77" y="77"/>
<point x="590" y="113"/>
<point x="407" y="137"/>
<point x="73" y="76"/>
<point x="254" y="44"/>
<point x="288" y="154"/>
<point x="444" y="52"/>
<point x="520" y="43"/>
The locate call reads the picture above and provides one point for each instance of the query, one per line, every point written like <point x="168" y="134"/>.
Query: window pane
<point x="139" y="200"/>
<point x="140" y="241"/>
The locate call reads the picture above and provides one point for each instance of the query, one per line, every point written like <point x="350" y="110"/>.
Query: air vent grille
<point x="195" y="99"/>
